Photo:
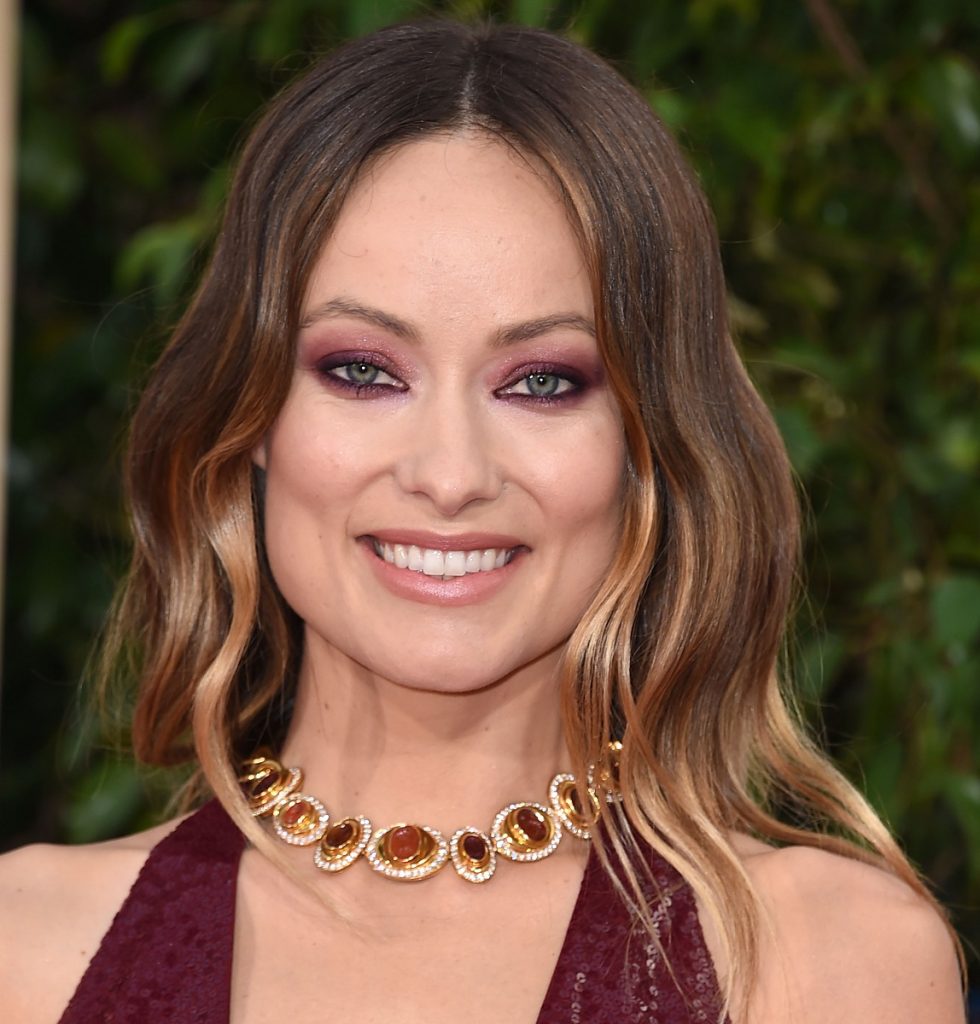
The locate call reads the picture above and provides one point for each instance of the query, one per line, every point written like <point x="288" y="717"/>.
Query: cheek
<point x="309" y="462"/>
<point x="584" y="489"/>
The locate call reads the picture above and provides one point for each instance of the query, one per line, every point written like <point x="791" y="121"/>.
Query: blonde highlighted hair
<point x="679" y="651"/>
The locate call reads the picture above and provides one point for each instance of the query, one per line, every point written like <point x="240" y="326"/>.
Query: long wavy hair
<point x="679" y="652"/>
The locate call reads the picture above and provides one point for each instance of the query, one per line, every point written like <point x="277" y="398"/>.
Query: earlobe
<point x="259" y="454"/>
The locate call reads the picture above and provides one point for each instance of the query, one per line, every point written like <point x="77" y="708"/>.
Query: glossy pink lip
<point x="442" y="542"/>
<point x="456" y="591"/>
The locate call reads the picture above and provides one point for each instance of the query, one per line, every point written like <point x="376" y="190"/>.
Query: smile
<point x="445" y="564"/>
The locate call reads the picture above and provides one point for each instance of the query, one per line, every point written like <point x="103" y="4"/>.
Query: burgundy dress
<point x="167" y="956"/>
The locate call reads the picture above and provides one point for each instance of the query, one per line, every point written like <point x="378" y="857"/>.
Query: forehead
<point x="456" y="225"/>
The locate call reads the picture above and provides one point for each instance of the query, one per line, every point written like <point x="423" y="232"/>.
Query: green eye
<point x="362" y="373"/>
<point x="541" y="385"/>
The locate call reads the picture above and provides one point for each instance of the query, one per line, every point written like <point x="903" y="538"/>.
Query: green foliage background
<point x="838" y="141"/>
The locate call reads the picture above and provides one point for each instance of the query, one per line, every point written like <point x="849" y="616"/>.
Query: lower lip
<point x="455" y="591"/>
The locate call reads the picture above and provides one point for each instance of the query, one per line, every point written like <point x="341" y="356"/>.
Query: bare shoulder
<point x="58" y="902"/>
<point x="847" y="942"/>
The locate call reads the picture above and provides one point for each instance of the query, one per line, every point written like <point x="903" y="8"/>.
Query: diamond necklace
<point x="522" y="832"/>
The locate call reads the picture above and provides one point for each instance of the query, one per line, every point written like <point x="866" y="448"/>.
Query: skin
<point x="410" y="710"/>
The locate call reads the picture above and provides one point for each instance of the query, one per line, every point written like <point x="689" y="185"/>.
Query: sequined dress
<point x="167" y="957"/>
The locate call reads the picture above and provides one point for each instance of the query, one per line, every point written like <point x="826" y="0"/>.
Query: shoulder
<point x="58" y="902"/>
<point x="848" y="942"/>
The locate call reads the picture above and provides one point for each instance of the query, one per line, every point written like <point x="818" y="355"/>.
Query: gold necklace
<point x="522" y="832"/>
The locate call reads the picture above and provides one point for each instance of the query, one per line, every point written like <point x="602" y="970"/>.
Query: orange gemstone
<point x="532" y="824"/>
<point x="404" y="843"/>
<point x="474" y="847"/>
<point x="295" y="813"/>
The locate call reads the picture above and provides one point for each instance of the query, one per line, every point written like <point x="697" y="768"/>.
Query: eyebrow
<point x="502" y="337"/>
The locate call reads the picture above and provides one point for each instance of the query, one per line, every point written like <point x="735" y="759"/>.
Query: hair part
<point x="679" y="650"/>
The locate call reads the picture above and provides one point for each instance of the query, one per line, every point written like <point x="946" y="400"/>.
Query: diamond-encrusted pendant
<point x="342" y="844"/>
<point x="265" y="783"/>
<point x="605" y="775"/>
<point x="567" y="804"/>
<point x="526" y="831"/>
<point x="473" y="853"/>
<point x="300" y="820"/>
<point x="406" y="852"/>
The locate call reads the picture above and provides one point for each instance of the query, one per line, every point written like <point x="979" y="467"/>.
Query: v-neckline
<point x="575" y="922"/>
<point x="190" y="880"/>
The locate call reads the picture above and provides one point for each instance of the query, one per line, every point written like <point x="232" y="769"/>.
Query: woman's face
<point x="443" y="484"/>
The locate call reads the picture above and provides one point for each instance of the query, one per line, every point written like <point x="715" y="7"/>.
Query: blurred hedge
<point x="839" y="144"/>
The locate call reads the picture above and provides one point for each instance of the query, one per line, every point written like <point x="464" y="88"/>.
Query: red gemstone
<point x="292" y="815"/>
<point x="340" y="835"/>
<point x="403" y="843"/>
<point x="474" y="847"/>
<point x="532" y="823"/>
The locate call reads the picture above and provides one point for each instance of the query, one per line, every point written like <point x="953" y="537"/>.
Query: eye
<point x="361" y="374"/>
<point x="358" y="375"/>
<point x="542" y="384"/>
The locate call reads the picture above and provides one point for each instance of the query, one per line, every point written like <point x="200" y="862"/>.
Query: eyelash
<point x="326" y="369"/>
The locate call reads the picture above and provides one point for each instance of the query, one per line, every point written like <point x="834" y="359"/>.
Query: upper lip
<point x="442" y="542"/>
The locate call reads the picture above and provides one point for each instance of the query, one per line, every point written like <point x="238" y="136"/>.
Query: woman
<point x="450" y="481"/>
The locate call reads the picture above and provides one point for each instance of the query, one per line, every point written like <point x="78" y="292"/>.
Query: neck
<point x="372" y="746"/>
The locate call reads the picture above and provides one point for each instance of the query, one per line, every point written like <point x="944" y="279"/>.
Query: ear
<point x="259" y="454"/>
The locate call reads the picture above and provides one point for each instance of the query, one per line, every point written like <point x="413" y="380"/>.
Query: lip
<point x="444" y="542"/>
<point x="457" y="591"/>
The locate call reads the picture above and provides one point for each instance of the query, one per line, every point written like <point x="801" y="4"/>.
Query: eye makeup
<point x="361" y="374"/>
<point x="536" y="380"/>
<point x="540" y="376"/>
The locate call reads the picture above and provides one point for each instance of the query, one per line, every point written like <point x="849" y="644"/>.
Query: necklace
<point x="521" y="832"/>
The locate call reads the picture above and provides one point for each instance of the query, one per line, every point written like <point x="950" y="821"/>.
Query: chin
<point x="437" y="674"/>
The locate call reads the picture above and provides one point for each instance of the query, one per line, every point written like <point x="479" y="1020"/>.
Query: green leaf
<point x="161" y="255"/>
<point x="122" y="43"/>
<point x="184" y="60"/>
<point x="531" y="12"/>
<point x="49" y="169"/>
<point x="818" y="663"/>
<point x="103" y="802"/>
<point x="955" y="607"/>
<point x="802" y="442"/>
<point x="367" y="15"/>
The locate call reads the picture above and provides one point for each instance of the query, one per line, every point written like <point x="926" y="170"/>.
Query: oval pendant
<point x="300" y="819"/>
<point x="526" y="831"/>
<point x="567" y="804"/>
<point x="342" y="844"/>
<point x="407" y="852"/>
<point x="266" y="783"/>
<point x="473" y="854"/>
<point x="604" y="777"/>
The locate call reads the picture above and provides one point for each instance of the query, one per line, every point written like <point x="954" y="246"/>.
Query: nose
<point x="449" y="456"/>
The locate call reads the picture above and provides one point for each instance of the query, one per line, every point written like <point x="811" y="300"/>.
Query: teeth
<point x="455" y="563"/>
<point x="435" y="562"/>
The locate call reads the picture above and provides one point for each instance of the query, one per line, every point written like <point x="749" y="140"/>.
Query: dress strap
<point x="167" y="956"/>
